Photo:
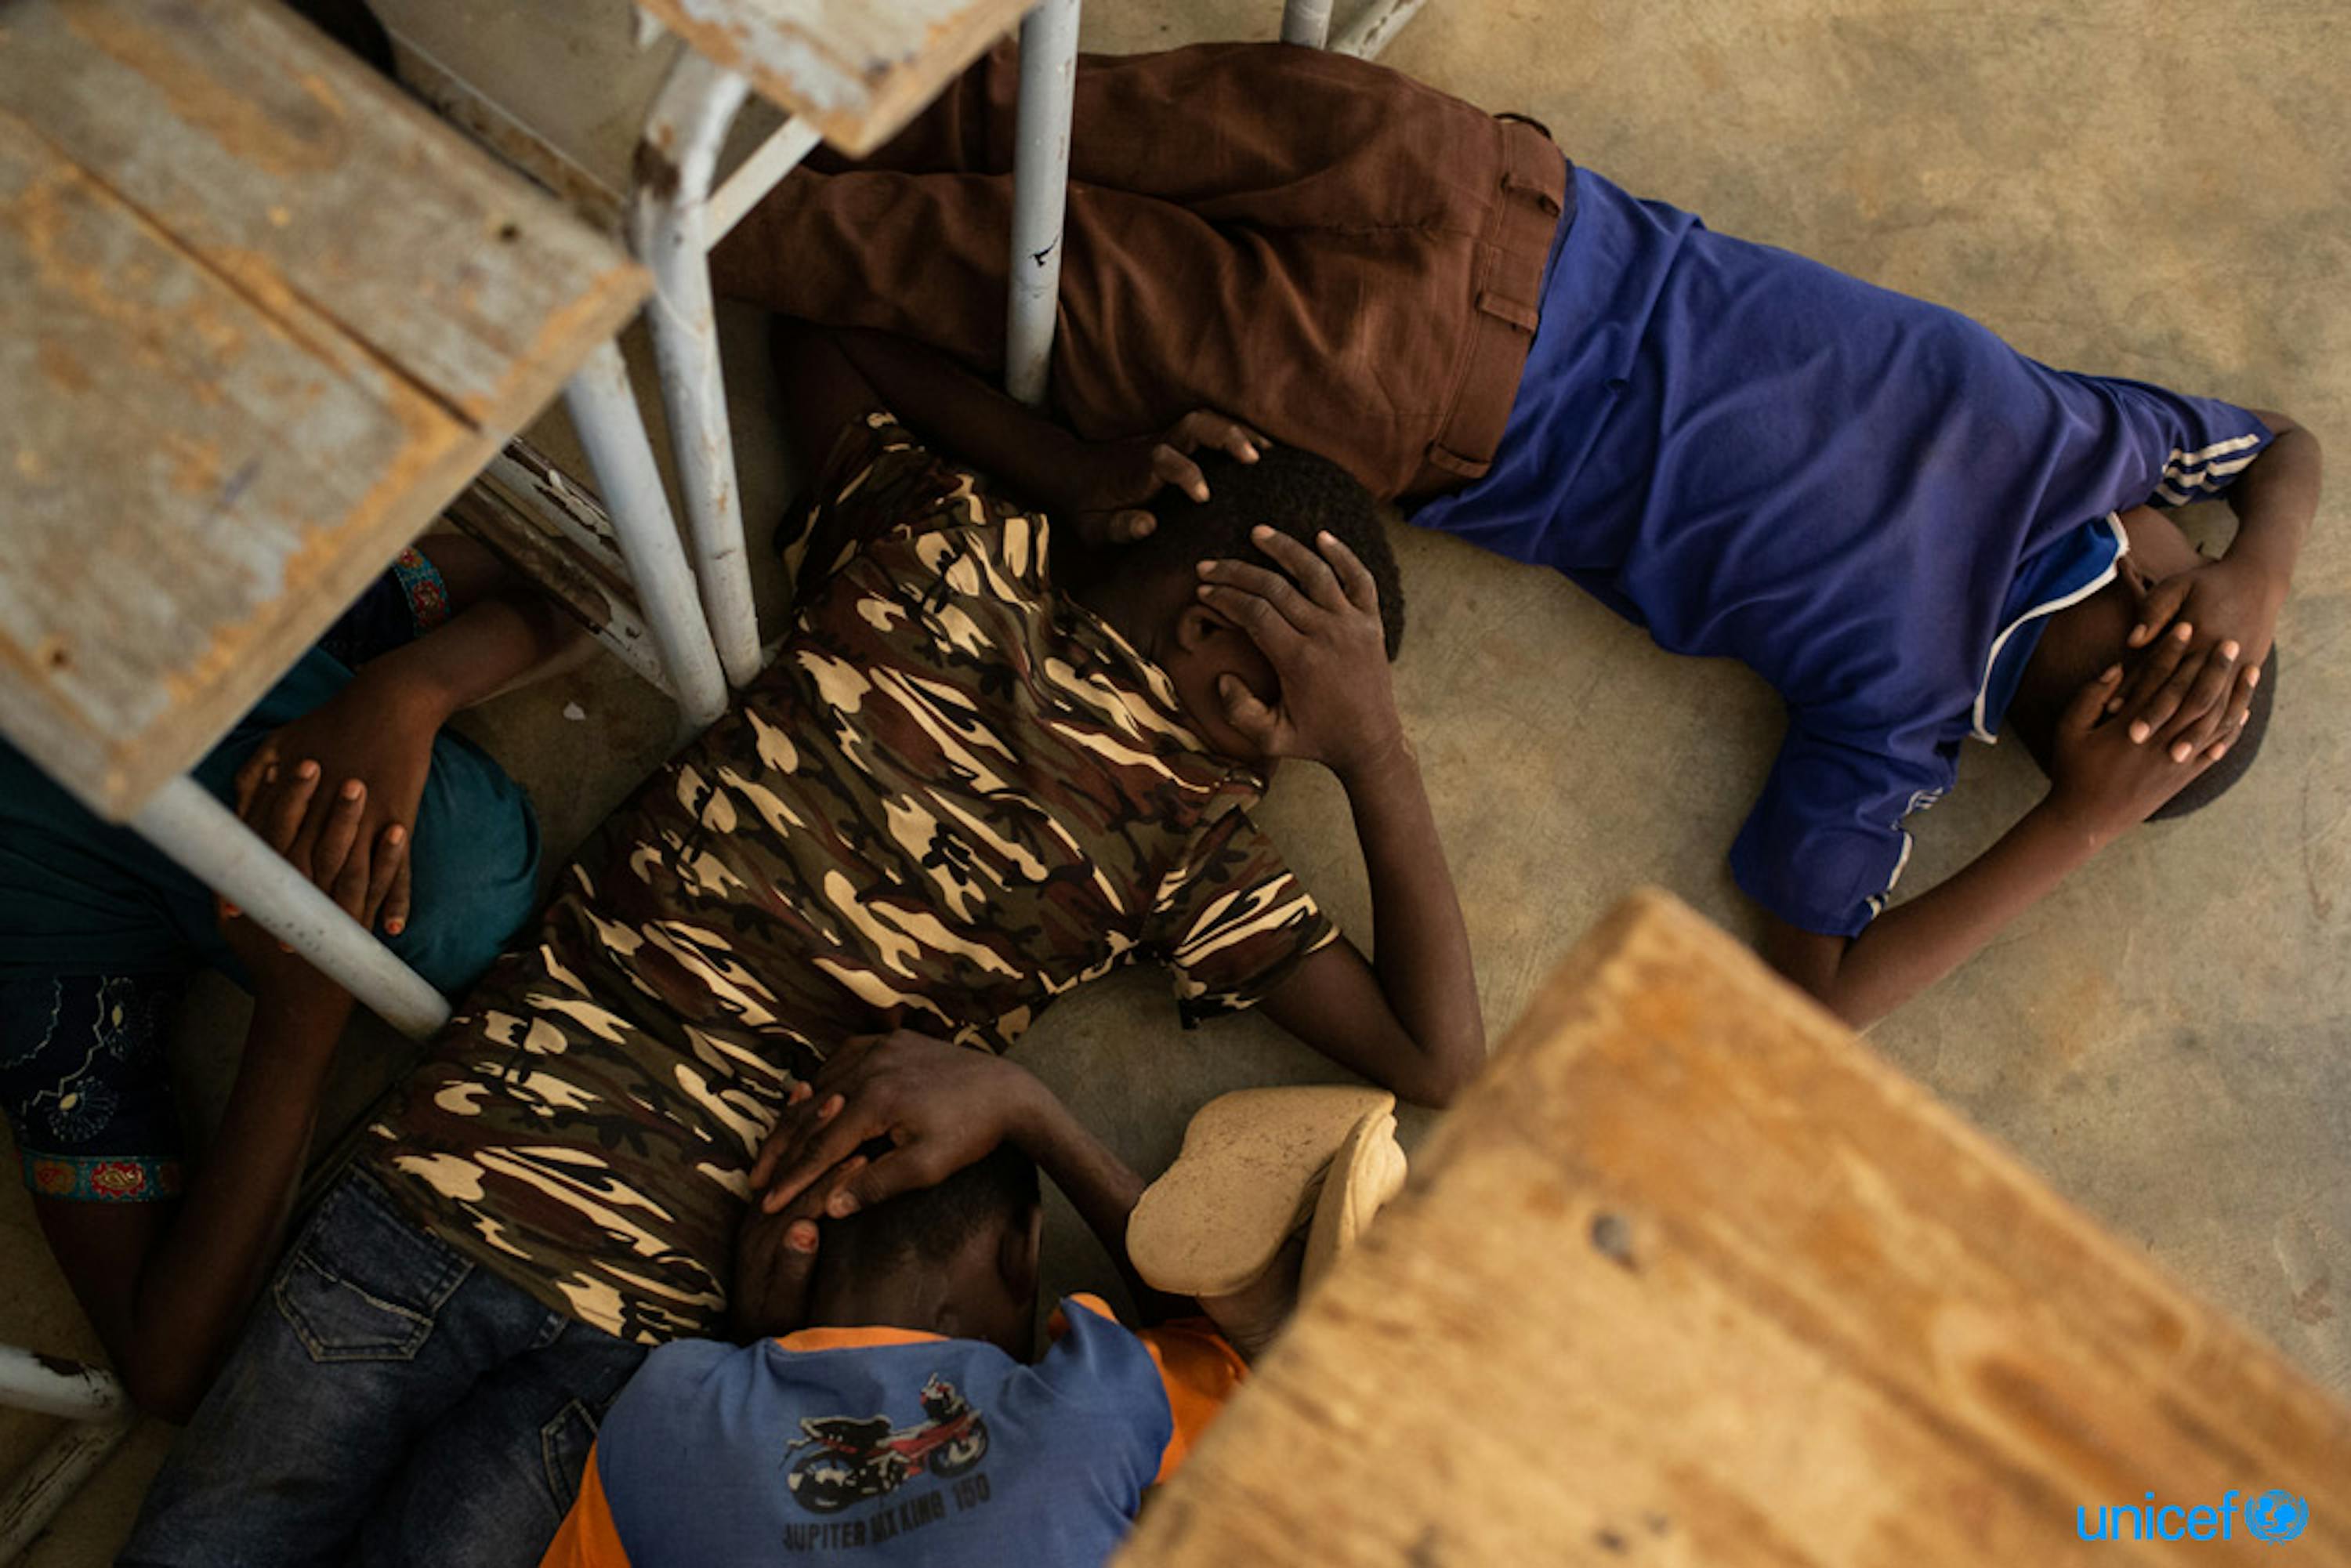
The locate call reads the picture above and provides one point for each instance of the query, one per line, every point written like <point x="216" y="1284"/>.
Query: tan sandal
<point x="1271" y="1186"/>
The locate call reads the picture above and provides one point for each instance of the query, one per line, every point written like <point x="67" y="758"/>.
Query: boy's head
<point x="958" y="1259"/>
<point x="2087" y="637"/>
<point x="1285" y="488"/>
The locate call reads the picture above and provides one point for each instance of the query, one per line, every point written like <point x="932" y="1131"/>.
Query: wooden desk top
<point x="1693" y="1278"/>
<point x="261" y="316"/>
<point x="857" y="69"/>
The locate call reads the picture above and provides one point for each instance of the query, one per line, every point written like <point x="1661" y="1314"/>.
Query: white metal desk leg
<point x="56" y="1387"/>
<point x="184" y="821"/>
<point x="603" y="410"/>
<point x="1040" y="181"/>
<point x="93" y="1401"/>
<point x="1368" y="34"/>
<point x="676" y="161"/>
<point x="1306" y="22"/>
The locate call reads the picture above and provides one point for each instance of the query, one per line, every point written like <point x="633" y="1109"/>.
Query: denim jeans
<point x="388" y="1403"/>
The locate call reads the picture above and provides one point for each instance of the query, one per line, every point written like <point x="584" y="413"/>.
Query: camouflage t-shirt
<point x="956" y="795"/>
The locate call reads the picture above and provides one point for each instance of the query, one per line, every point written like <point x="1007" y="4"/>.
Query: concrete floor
<point x="2143" y="187"/>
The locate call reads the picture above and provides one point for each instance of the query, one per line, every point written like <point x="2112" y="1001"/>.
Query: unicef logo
<point x="2276" y="1516"/>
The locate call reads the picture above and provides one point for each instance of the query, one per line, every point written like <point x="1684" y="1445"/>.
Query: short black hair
<point x="1286" y="489"/>
<point x="931" y="1224"/>
<point x="2218" y="778"/>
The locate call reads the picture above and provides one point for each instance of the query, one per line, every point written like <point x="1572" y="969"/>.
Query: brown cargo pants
<point x="1317" y="246"/>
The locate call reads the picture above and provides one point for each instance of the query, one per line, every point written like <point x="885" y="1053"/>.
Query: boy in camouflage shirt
<point x="994" y="758"/>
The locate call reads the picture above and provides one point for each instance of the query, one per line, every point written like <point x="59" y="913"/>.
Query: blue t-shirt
<point x="1862" y="496"/>
<point x="889" y="1447"/>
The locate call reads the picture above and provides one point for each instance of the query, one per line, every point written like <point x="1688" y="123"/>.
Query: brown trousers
<point x="1346" y="258"/>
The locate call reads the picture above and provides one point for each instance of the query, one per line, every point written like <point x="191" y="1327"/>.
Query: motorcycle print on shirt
<point x="853" y="1457"/>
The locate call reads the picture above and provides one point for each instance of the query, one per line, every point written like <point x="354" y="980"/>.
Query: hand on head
<point x="2113" y="767"/>
<point x="2218" y="603"/>
<point x="941" y="1106"/>
<point x="903" y="1164"/>
<point x="1112" y="480"/>
<point x="1317" y="621"/>
<point x="776" y="1256"/>
<point x="2183" y="645"/>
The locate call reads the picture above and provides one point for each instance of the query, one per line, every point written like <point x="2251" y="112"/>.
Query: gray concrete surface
<point x="2145" y="187"/>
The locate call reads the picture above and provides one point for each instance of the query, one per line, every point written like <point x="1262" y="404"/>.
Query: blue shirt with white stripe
<point x="1870" y="500"/>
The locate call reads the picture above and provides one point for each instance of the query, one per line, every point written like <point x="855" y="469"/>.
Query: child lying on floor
<point x="1916" y="534"/>
<point x="882" y="1392"/>
<point x="989" y="764"/>
<point x="100" y="934"/>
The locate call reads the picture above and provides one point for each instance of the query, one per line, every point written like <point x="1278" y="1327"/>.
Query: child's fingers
<point x="2236" y="725"/>
<point x="350" y="881"/>
<point x="1125" y="526"/>
<point x="1310" y="571"/>
<point x="771" y="1148"/>
<point x="2082" y="712"/>
<point x="338" y="831"/>
<point x="304" y="854"/>
<point x="906" y="1168"/>
<point x="2154" y="667"/>
<point x="396" y="902"/>
<point x="1206" y="427"/>
<point x="2153" y="679"/>
<point x="2206" y="707"/>
<point x="383" y="876"/>
<point x="826" y="1147"/>
<point x="2155" y="612"/>
<point x="249" y="777"/>
<point x="790" y="1268"/>
<point x="287" y="810"/>
<point x="1248" y="713"/>
<point x="2248" y="675"/>
<point x="800" y="1121"/>
<point x="844" y="1064"/>
<point x="1258" y="600"/>
<point x="2150" y="720"/>
<point x="1362" y="590"/>
<point x="1170" y="466"/>
<point x="1274" y="587"/>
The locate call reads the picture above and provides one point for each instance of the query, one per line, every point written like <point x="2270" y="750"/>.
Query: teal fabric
<point x="80" y="897"/>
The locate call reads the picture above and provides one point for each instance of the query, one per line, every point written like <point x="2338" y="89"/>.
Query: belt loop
<point x="1525" y="317"/>
<point x="1443" y="456"/>
<point x="1528" y="165"/>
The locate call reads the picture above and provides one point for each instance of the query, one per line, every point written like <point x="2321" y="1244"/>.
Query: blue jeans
<point x="389" y="1402"/>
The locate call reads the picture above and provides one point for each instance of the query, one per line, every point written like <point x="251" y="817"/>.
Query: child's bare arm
<point x="165" y="1284"/>
<point x="1412" y="1022"/>
<point x="2102" y="784"/>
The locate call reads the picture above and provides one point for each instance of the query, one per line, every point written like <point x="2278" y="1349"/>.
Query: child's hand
<point x="943" y="1106"/>
<point x="775" y="1257"/>
<point x="377" y="732"/>
<point x="2221" y="602"/>
<point x="1109" y="481"/>
<point x="2111" y="772"/>
<point x="349" y="867"/>
<point x="1319" y="628"/>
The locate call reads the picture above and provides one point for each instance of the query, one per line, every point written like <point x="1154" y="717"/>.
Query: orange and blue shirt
<point x="1871" y="501"/>
<point x="885" y="1446"/>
